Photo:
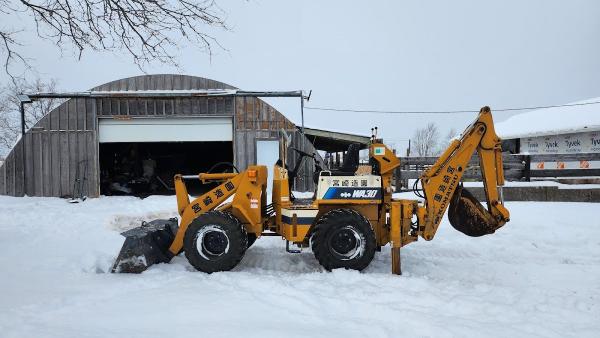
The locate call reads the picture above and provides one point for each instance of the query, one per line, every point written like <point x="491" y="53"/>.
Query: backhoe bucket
<point x="467" y="215"/>
<point x="146" y="245"/>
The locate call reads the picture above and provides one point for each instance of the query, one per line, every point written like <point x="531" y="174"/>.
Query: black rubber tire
<point x="330" y="224"/>
<point x="236" y="236"/>
<point x="251" y="239"/>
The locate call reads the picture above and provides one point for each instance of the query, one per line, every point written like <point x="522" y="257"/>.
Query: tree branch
<point x="147" y="30"/>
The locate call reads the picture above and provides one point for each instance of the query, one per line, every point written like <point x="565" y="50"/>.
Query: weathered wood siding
<point x="52" y="150"/>
<point x="257" y="120"/>
<point x="173" y="107"/>
<point x="45" y="162"/>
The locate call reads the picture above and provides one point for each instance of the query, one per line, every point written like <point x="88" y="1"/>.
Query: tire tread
<point x="238" y="234"/>
<point x="325" y="223"/>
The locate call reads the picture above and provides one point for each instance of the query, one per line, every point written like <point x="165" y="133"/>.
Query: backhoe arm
<point x="441" y="183"/>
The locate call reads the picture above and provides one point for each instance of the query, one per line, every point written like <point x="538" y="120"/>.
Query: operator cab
<point x="348" y="168"/>
<point x="338" y="184"/>
<point x="341" y="186"/>
<point x="350" y="164"/>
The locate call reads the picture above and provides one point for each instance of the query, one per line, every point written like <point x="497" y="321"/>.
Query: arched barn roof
<point x="64" y="143"/>
<point x="162" y="82"/>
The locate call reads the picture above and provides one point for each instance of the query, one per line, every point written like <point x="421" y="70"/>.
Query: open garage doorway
<point x="147" y="168"/>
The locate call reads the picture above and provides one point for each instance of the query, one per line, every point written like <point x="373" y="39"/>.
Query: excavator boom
<point x="441" y="183"/>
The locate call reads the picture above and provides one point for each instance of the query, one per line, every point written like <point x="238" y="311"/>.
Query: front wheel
<point x="215" y="241"/>
<point x="343" y="238"/>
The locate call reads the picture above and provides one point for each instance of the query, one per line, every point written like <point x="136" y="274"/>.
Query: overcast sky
<point x="384" y="55"/>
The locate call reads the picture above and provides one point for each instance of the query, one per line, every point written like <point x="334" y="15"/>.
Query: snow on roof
<point x="551" y="121"/>
<point x="175" y="91"/>
<point x="166" y="93"/>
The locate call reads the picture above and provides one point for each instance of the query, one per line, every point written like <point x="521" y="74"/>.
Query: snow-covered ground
<point x="538" y="276"/>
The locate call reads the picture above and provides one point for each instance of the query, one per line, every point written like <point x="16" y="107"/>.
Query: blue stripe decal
<point x="367" y="193"/>
<point x="330" y="193"/>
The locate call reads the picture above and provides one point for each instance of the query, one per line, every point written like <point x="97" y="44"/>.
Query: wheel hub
<point x="345" y="243"/>
<point x="215" y="242"/>
<point x="212" y="241"/>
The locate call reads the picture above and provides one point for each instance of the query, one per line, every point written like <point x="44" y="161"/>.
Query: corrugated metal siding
<point x="67" y="138"/>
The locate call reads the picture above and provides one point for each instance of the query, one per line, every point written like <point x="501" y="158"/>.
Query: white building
<point x="573" y="129"/>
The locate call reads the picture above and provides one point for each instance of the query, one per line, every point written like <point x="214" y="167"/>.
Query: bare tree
<point x="426" y="140"/>
<point x="452" y="133"/>
<point x="147" y="30"/>
<point x="8" y="122"/>
<point x="10" y="109"/>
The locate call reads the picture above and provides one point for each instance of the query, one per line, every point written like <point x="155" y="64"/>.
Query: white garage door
<point x="166" y="130"/>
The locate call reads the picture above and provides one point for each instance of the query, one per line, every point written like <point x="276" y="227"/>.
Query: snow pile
<point x="549" y="121"/>
<point x="538" y="276"/>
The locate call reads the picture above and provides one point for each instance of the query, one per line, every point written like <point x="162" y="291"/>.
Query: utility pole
<point x="302" y="113"/>
<point x="302" y="97"/>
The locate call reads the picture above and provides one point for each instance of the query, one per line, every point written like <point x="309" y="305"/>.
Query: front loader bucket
<point x="467" y="215"/>
<point x="146" y="245"/>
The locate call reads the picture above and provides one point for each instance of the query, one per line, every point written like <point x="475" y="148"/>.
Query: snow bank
<point x="538" y="276"/>
<point x="548" y="121"/>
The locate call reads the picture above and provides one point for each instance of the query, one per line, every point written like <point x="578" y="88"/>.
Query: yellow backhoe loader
<point x="349" y="218"/>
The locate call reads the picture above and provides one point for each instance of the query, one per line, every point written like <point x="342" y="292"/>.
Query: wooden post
<point x="406" y="165"/>
<point x="527" y="170"/>
<point x="396" y="261"/>
<point x="24" y="146"/>
<point x="396" y="237"/>
<point x="398" y="179"/>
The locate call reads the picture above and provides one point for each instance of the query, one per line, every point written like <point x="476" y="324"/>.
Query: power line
<point x="447" y="111"/>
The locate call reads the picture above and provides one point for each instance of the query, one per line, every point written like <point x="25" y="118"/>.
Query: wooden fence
<point x="516" y="167"/>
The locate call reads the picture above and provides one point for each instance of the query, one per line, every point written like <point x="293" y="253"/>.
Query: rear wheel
<point x="215" y="241"/>
<point x="343" y="238"/>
